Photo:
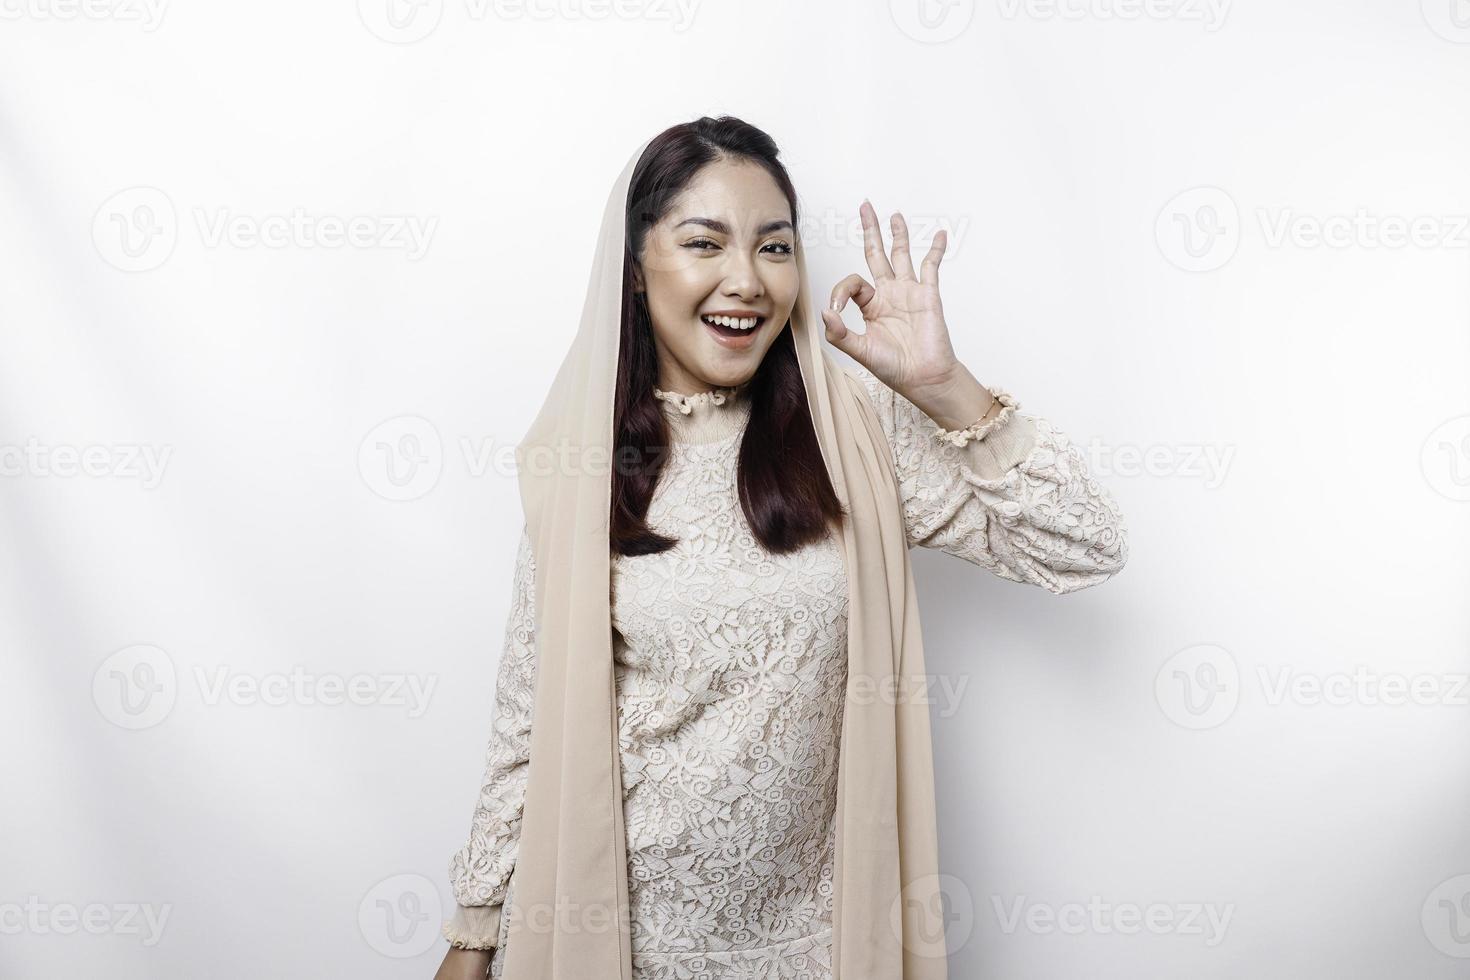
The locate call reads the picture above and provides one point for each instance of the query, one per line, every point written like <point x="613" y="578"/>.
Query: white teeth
<point x="739" y="323"/>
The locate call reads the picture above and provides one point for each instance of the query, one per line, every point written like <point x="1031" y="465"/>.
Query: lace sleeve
<point x="480" y="870"/>
<point x="1021" y="502"/>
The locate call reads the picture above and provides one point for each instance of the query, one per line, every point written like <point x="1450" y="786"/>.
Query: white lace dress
<point x="731" y="667"/>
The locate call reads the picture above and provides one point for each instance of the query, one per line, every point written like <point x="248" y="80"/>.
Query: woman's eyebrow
<point x="714" y="224"/>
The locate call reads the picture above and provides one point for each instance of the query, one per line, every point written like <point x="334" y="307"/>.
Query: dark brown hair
<point x="785" y="492"/>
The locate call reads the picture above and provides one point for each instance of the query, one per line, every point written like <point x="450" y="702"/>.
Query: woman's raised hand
<point x="906" y="344"/>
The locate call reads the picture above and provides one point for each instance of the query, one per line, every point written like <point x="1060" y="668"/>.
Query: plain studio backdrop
<point x="282" y="284"/>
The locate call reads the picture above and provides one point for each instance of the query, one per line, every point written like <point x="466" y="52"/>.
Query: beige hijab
<point x="569" y="905"/>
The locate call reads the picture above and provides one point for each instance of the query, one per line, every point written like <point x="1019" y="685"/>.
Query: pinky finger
<point x="929" y="268"/>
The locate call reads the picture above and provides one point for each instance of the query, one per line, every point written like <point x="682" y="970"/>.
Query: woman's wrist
<point x="464" y="964"/>
<point x="955" y="401"/>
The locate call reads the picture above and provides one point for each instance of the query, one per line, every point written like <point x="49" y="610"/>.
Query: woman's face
<point x="726" y="246"/>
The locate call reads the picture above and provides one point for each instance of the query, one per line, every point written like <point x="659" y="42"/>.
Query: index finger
<point x="873" y="243"/>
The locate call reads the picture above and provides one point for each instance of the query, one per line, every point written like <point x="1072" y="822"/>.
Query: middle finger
<point x="873" y="243"/>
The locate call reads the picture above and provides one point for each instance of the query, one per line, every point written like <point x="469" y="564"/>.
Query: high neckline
<point x="709" y="416"/>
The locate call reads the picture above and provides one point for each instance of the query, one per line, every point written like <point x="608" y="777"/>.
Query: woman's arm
<point x="480" y="870"/>
<point x="1020" y="502"/>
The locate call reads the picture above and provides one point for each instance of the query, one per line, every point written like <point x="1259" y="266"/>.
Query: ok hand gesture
<point x="906" y="344"/>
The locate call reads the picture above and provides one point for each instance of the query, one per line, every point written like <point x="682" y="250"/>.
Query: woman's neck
<point x="705" y="416"/>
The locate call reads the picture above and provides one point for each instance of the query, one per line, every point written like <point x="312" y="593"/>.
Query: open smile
<point x="736" y="333"/>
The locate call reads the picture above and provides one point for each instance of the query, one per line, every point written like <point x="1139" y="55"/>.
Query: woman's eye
<point x="704" y="245"/>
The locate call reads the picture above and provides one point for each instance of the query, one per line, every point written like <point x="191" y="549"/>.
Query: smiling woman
<point x="712" y="668"/>
<point x="710" y="287"/>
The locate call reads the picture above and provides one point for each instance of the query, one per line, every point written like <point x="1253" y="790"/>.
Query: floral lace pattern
<point x="1042" y="519"/>
<point x="480" y="871"/>
<point x="731" y="670"/>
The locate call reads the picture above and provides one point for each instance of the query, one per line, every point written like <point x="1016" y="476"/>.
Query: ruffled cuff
<point x="1002" y="448"/>
<point x="474" y="926"/>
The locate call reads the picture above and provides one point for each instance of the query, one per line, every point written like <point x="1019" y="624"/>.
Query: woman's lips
<point x="729" y="338"/>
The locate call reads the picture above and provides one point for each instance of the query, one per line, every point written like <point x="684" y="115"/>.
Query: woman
<point x="717" y="675"/>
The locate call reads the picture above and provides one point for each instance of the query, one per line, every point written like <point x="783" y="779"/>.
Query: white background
<point x="1285" y="419"/>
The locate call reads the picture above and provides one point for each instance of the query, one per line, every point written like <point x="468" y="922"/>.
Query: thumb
<point x="851" y="344"/>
